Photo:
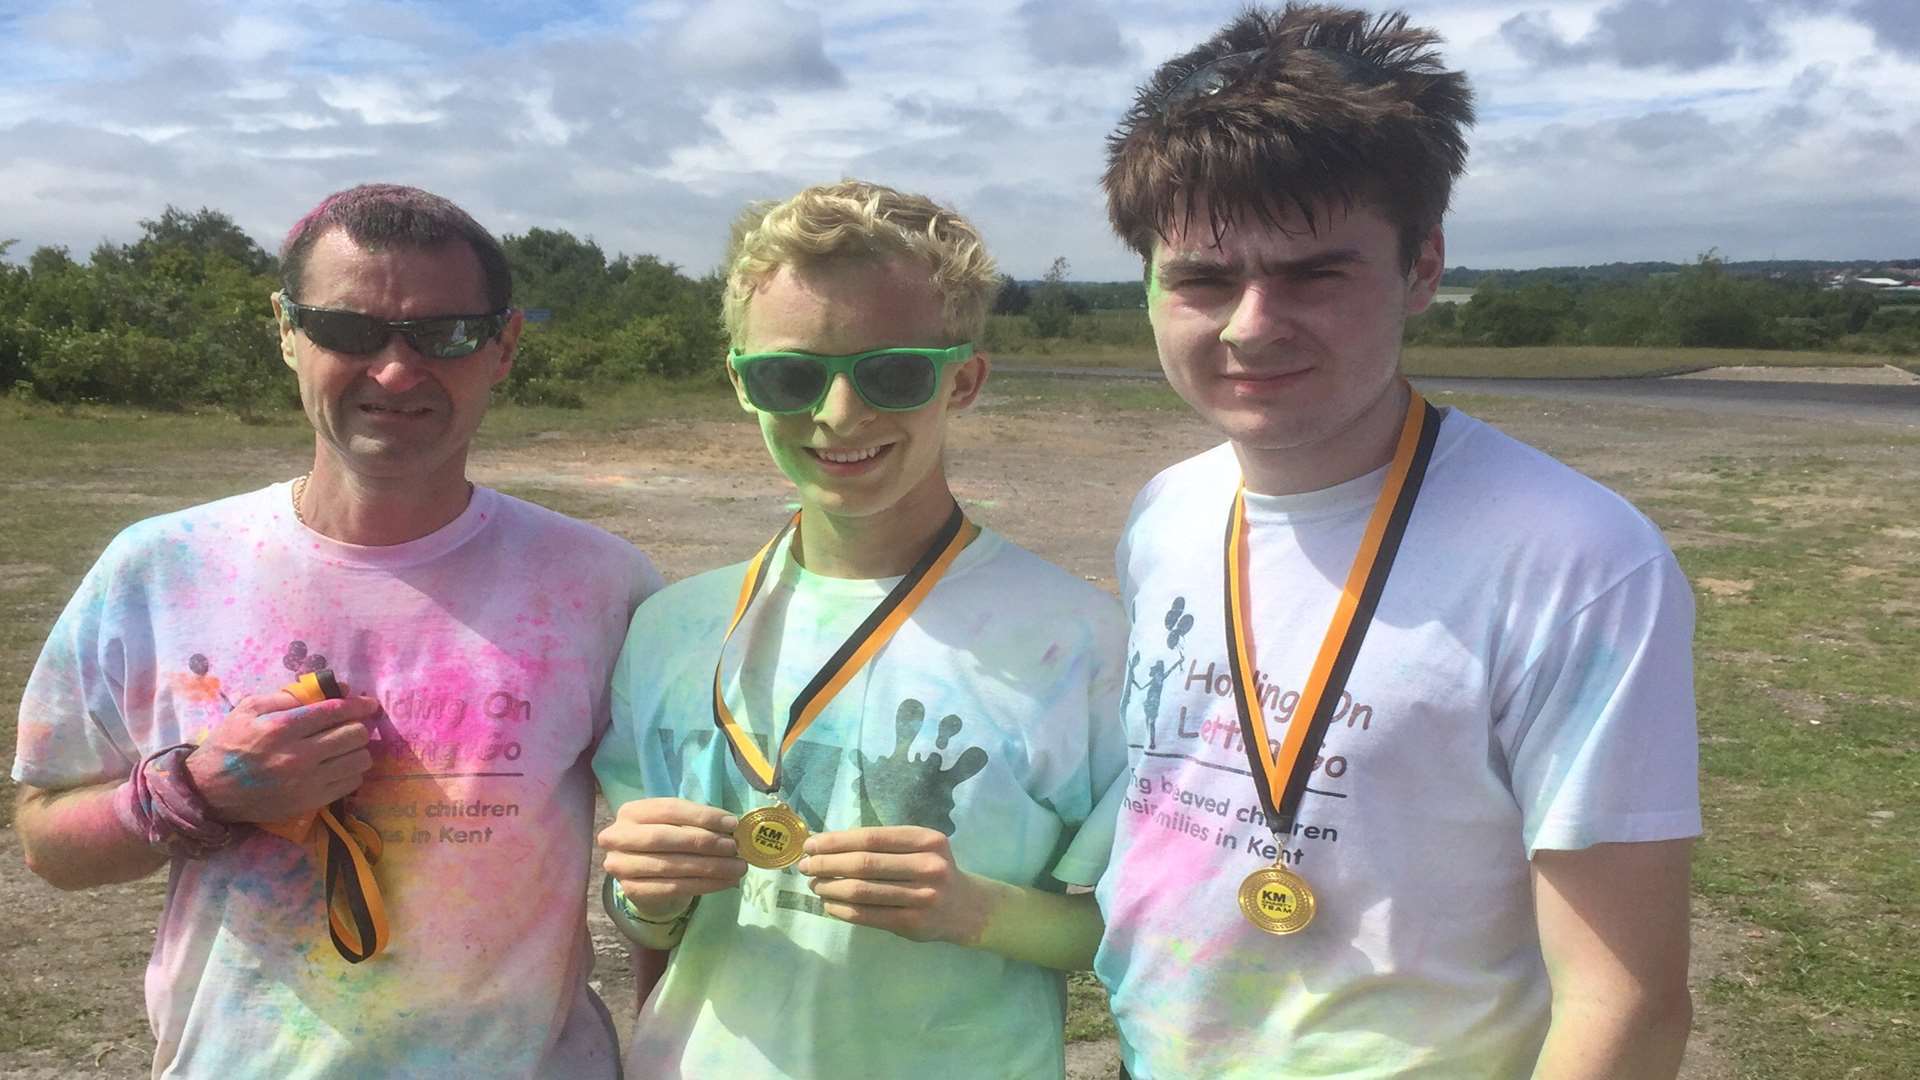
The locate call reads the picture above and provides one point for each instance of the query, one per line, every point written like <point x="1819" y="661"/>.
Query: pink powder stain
<point x="1052" y="654"/>
<point x="1154" y="892"/>
<point x="140" y="685"/>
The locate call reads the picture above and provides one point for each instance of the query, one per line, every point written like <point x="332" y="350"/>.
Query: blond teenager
<point x="899" y="718"/>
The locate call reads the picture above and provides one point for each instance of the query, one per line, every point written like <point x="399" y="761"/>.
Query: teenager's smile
<point x="1264" y="383"/>
<point x="846" y="461"/>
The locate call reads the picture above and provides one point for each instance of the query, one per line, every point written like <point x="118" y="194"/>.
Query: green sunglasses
<point x="892" y="380"/>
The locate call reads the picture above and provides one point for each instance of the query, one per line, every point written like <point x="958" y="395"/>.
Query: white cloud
<point x="648" y="126"/>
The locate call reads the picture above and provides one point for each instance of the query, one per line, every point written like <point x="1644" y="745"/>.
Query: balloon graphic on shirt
<point x="1178" y="622"/>
<point x="917" y="790"/>
<point x="299" y="661"/>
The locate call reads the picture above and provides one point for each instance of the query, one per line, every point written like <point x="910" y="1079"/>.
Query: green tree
<point x="1533" y="314"/>
<point x="1050" y="315"/>
<point x="556" y="270"/>
<point x="1708" y="308"/>
<point x="1013" y="297"/>
<point x="203" y="232"/>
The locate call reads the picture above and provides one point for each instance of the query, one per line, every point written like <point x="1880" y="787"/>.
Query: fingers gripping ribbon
<point x="345" y="849"/>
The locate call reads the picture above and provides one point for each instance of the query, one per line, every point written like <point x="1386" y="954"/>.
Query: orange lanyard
<point x="1280" y="772"/>
<point x="852" y="655"/>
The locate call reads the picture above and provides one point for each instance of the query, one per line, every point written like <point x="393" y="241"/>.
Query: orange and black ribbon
<point x="1280" y="775"/>
<point x="852" y="655"/>
<point x="345" y="849"/>
<point x="356" y="913"/>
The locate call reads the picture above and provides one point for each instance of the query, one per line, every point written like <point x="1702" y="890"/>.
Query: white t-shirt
<point x="1526" y="684"/>
<point x="490" y="643"/>
<point x="988" y="716"/>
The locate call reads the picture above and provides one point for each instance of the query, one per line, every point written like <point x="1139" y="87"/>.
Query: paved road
<point x="1895" y="405"/>
<point x="1898" y="405"/>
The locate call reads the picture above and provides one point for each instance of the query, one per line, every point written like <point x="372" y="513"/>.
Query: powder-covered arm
<point x="74" y="838"/>
<point x="903" y="879"/>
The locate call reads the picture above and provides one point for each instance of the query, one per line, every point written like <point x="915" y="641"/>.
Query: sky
<point x="1610" y="130"/>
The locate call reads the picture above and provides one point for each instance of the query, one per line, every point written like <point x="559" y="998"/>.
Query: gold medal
<point x="770" y="837"/>
<point x="1276" y="900"/>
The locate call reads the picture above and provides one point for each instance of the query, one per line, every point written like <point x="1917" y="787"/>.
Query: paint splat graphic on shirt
<point x="902" y="788"/>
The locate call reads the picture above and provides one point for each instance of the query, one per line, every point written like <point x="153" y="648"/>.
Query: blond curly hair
<point x="854" y="219"/>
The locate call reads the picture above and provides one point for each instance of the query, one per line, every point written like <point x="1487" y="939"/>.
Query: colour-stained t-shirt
<point x="988" y="716"/>
<point x="1526" y="685"/>
<point x="490" y="643"/>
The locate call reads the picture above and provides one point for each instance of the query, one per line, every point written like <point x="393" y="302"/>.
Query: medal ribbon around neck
<point x="1281" y="778"/>
<point x="853" y="654"/>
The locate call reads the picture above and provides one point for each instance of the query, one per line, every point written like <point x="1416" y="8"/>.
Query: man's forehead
<point x="339" y="262"/>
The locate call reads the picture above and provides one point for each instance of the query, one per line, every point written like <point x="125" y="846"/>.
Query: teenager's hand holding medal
<point x="897" y="878"/>
<point x="666" y="853"/>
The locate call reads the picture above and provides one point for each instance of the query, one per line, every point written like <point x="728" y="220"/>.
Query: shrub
<point x="128" y="367"/>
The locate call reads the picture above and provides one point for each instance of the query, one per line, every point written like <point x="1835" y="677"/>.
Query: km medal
<point x="770" y="837"/>
<point x="1276" y="899"/>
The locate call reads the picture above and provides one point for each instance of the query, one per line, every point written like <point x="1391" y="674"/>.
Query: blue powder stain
<point x="243" y="773"/>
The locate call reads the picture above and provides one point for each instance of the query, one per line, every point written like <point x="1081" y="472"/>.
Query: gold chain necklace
<point x="299" y="492"/>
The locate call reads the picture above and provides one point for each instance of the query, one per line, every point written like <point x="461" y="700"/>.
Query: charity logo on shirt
<point x="424" y="736"/>
<point x="1199" y="728"/>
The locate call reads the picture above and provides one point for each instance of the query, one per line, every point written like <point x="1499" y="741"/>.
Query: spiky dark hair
<point x="1341" y="107"/>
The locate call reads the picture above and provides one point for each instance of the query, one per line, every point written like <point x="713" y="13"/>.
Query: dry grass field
<point x="1802" y="541"/>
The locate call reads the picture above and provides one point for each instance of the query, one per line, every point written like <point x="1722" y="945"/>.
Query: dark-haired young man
<point x="429" y="921"/>
<point x="1424" y="782"/>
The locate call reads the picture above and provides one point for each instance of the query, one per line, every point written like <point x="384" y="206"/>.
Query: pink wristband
<point x="160" y="803"/>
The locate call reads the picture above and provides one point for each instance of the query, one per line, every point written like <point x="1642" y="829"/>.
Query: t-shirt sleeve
<point x="1085" y="855"/>
<point x="647" y="580"/>
<point x="1599" y="734"/>
<point x="642" y="581"/>
<point x="73" y="728"/>
<point x="616" y="762"/>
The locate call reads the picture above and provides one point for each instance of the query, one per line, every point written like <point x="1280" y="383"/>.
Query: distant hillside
<point x="1099" y="295"/>
<point x="1779" y="269"/>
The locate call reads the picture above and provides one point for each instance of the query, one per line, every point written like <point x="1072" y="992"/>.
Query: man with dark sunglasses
<point x="375" y="871"/>
<point x="896" y="717"/>
<point x="1435" y="688"/>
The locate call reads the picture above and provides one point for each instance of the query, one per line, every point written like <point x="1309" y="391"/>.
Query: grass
<point x="1087" y="1016"/>
<point x="1810" y="757"/>
<point x="1802" y="540"/>
<point x="1544" y="362"/>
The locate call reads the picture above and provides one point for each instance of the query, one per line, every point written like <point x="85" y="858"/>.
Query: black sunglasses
<point x="443" y="337"/>
<point x="1210" y="78"/>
